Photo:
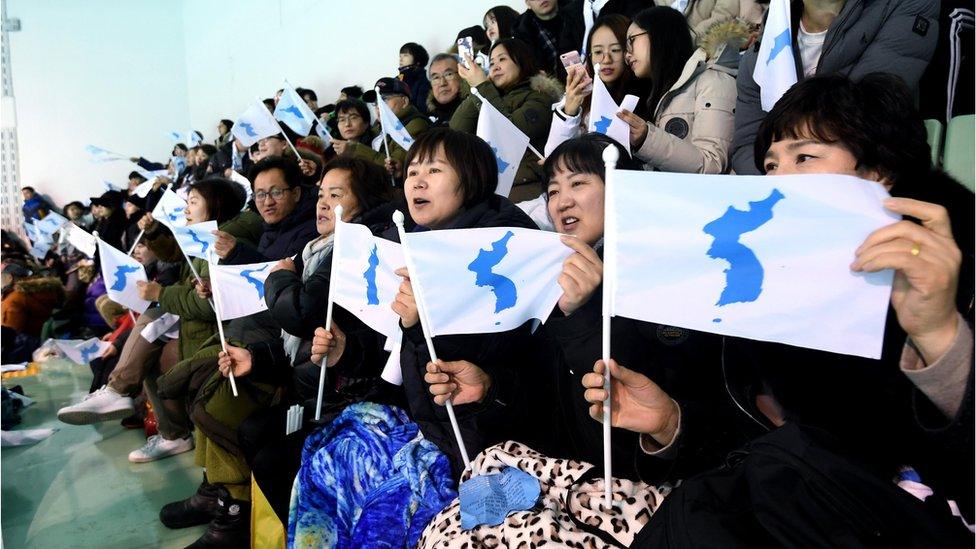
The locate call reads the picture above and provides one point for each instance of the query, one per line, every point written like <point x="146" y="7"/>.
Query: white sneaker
<point x="157" y="447"/>
<point x="102" y="405"/>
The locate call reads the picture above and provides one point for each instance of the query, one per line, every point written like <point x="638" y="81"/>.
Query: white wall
<point x="121" y="74"/>
<point x="322" y="45"/>
<point x="99" y="72"/>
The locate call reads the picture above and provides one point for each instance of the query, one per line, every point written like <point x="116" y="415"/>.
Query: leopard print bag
<point x="570" y="512"/>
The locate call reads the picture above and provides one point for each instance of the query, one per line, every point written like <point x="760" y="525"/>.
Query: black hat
<point x="392" y="86"/>
<point x="109" y="199"/>
<point x="136" y="200"/>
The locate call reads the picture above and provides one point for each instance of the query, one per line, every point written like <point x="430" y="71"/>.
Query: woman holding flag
<point x="521" y="93"/>
<point x="907" y="415"/>
<point x="296" y="293"/>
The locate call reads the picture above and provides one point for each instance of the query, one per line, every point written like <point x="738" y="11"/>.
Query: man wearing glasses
<point x="287" y="209"/>
<point x="445" y="91"/>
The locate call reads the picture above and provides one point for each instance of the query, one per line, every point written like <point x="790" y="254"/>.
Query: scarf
<point x="314" y="253"/>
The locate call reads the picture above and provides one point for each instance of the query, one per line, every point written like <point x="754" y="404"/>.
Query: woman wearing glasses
<point x="692" y="92"/>
<point x="605" y="46"/>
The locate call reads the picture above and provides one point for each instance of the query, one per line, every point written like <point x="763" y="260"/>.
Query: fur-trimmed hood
<point x="723" y="40"/>
<point x="542" y="83"/>
<point x="43" y="284"/>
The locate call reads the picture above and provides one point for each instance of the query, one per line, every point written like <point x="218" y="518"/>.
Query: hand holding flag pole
<point x="220" y="325"/>
<point x="610" y="157"/>
<point x="328" y="315"/>
<point x="424" y="325"/>
<point x="477" y="94"/>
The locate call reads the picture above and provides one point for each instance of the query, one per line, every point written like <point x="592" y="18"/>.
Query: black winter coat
<point x="283" y="239"/>
<point x="491" y="421"/>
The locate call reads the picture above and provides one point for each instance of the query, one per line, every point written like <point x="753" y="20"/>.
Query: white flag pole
<point x="386" y="146"/>
<point x="132" y="249"/>
<point x="477" y="94"/>
<point x="425" y="326"/>
<point x="337" y="215"/>
<point x="220" y="325"/>
<point x="610" y="157"/>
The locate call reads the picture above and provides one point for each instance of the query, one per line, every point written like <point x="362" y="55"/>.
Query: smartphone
<point x="465" y="48"/>
<point x="571" y="60"/>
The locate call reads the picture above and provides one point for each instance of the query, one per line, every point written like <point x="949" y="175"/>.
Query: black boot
<point x="230" y="527"/>
<point x="195" y="510"/>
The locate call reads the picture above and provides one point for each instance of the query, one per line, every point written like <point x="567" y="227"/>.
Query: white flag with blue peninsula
<point x="486" y="280"/>
<point x="363" y="281"/>
<point x="196" y="240"/>
<point x="121" y="273"/>
<point x="255" y="124"/>
<point x="241" y="288"/>
<point x="764" y="258"/>
<point x="506" y="141"/>
<point x="392" y="126"/>
<point x="82" y="351"/>
<point x="775" y="70"/>
<point x="603" y="113"/>
<point x="170" y="210"/>
<point x="293" y="110"/>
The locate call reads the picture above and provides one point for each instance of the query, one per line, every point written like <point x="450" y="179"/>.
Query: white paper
<point x="24" y="437"/>
<point x="13" y="367"/>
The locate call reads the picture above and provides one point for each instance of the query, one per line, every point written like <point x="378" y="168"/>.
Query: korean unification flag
<point x="40" y="242"/>
<point x="392" y="126"/>
<point x="81" y="239"/>
<point x="775" y="68"/>
<point x="196" y="240"/>
<point x="506" y="141"/>
<point x="294" y="111"/>
<point x="82" y="351"/>
<point x="240" y="288"/>
<point x="255" y="124"/>
<point x="764" y="258"/>
<point x="170" y="210"/>
<point x="486" y="280"/>
<point x="603" y="113"/>
<point x="120" y="273"/>
<point x="51" y="224"/>
<point x="176" y="137"/>
<point x="142" y="190"/>
<point x="363" y="279"/>
<point x="323" y="132"/>
<point x="98" y="154"/>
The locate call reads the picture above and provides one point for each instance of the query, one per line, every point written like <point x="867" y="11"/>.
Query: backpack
<point x="790" y="488"/>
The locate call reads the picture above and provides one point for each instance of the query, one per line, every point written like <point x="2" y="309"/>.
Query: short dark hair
<point x="355" y="105"/>
<point x="467" y="154"/>
<point x="137" y="175"/>
<point x="370" y="183"/>
<point x="208" y="149"/>
<point x="875" y="119"/>
<point x="305" y="93"/>
<point x="521" y="55"/>
<point x="224" y="198"/>
<point x="352" y="91"/>
<point x="584" y="154"/>
<point x="419" y="53"/>
<point x="181" y="147"/>
<point x="28" y="188"/>
<point x="671" y="47"/>
<point x="287" y="165"/>
<point x="269" y="103"/>
<point x="229" y="124"/>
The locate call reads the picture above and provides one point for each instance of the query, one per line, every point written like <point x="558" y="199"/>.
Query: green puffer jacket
<point x="197" y="319"/>
<point x="414" y="122"/>
<point x="528" y="105"/>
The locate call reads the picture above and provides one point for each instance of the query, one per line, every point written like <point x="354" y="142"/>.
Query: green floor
<point x="77" y="488"/>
